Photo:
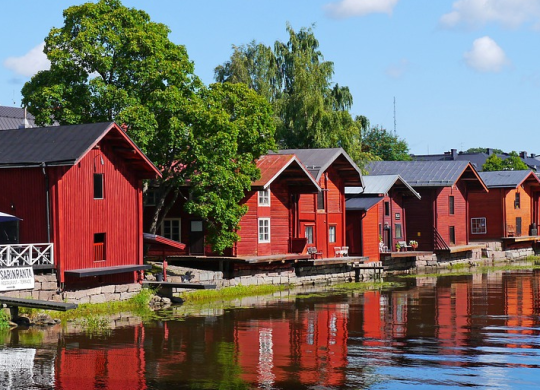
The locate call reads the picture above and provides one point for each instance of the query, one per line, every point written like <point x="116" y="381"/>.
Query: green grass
<point x="4" y="320"/>
<point x="228" y="293"/>
<point x="480" y="270"/>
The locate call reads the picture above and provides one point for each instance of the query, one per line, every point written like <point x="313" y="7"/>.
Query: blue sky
<point x="464" y="73"/>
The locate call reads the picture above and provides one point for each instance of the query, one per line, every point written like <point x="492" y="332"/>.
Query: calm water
<point x="478" y="331"/>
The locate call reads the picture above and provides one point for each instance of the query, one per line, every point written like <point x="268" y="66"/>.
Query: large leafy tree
<point x="112" y="63"/>
<point x="512" y="163"/>
<point x="311" y="111"/>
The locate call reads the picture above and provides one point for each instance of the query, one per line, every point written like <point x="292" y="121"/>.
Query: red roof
<point x="274" y="165"/>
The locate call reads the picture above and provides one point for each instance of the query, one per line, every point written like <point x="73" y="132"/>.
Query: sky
<point x="444" y="74"/>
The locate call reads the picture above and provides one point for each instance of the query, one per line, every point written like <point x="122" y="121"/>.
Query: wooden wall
<point x="419" y="218"/>
<point x="488" y="206"/>
<point x="443" y="218"/>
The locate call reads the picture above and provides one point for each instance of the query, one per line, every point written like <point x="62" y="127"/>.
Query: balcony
<point x="37" y="256"/>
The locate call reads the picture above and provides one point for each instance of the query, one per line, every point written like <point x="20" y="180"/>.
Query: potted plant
<point x="398" y="247"/>
<point x="413" y="244"/>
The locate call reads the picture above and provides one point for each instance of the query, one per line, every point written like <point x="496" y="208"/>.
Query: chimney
<point x="523" y="154"/>
<point x="454" y="154"/>
<point x="489" y="151"/>
<point x="25" y="124"/>
<point x="533" y="155"/>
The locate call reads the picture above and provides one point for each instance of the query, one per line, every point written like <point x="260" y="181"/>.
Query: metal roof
<point x="362" y="203"/>
<point x="14" y="118"/>
<point x="507" y="179"/>
<point x="67" y="145"/>
<point x="286" y="165"/>
<point x="317" y="161"/>
<point x="380" y="184"/>
<point x="421" y="173"/>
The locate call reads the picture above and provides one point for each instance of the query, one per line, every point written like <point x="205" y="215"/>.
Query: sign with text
<point x="16" y="278"/>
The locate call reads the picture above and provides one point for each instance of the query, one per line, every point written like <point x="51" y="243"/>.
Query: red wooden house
<point x="271" y="225"/>
<point x="376" y="218"/>
<point x="322" y="215"/>
<point x="440" y="219"/>
<point x="509" y="210"/>
<point x="78" y="190"/>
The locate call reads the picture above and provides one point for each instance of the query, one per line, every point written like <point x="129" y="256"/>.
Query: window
<point x="99" y="247"/>
<point x="387" y="209"/>
<point x="478" y="226"/>
<point x="452" y="233"/>
<point x="264" y="197"/>
<point x="309" y="234"/>
<point x="397" y="230"/>
<point x="171" y="229"/>
<point x="320" y="200"/>
<point x="98" y="185"/>
<point x="517" y="201"/>
<point x="451" y="205"/>
<point x="264" y="230"/>
<point x="398" y="216"/>
<point x="150" y="197"/>
<point x="332" y="234"/>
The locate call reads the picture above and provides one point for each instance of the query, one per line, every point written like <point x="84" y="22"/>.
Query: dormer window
<point x="264" y="197"/>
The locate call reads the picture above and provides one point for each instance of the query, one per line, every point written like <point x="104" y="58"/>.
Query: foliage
<point x="5" y="319"/>
<point x="311" y="111"/>
<point x="112" y="63"/>
<point x="483" y="150"/>
<point x="383" y="144"/>
<point x="512" y="163"/>
<point x="230" y="292"/>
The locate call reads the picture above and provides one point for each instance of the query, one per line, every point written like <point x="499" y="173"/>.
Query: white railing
<point x="21" y="255"/>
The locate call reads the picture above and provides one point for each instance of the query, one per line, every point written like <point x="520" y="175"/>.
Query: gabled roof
<point x="380" y="185"/>
<point x="317" y="161"/>
<point x="286" y="166"/>
<point x="508" y="179"/>
<point x="13" y="118"/>
<point x="363" y="203"/>
<point x="67" y="145"/>
<point x="427" y="173"/>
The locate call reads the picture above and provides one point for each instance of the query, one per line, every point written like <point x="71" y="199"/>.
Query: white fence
<point x="21" y="255"/>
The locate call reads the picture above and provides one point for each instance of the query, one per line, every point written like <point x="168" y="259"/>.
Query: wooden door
<point x="196" y="238"/>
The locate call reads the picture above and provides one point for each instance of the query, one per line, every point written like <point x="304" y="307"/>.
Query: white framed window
<point x="264" y="230"/>
<point x="332" y="233"/>
<point x="264" y="197"/>
<point x="170" y="228"/>
<point x="309" y="234"/>
<point x="478" y="225"/>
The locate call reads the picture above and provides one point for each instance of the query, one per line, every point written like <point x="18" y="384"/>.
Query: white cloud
<point x="486" y="56"/>
<point x="395" y="71"/>
<point x="349" y="8"/>
<point x="509" y="13"/>
<point x="30" y="63"/>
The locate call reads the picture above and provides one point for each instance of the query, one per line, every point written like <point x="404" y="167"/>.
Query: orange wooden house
<point x="509" y="211"/>
<point x="376" y="215"/>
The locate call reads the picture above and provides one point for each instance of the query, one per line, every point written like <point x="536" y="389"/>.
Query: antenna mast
<point x="395" y="133"/>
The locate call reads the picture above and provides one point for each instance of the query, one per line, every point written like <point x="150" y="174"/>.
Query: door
<point x="196" y="238"/>
<point x="518" y="226"/>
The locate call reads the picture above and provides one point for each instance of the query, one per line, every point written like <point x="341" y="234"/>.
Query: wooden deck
<point x="196" y="286"/>
<point x="15" y="303"/>
<point x="406" y="254"/>
<point x="512" y="240"/>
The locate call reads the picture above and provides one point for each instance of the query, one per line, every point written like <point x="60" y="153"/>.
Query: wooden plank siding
<point x="419" y="218"/>
<point x="524" y="211"/>
<point x="444" y="219"/>
<point x="489" y="206"/>
<point x="370" y="234"/>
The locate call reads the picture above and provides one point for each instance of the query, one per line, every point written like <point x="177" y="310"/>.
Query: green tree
<point x="387" y="146"/>
<point x="483" y="150"/>
<point x="493" y="163"/>
<point x="112" y="63"/>
<point x="311" y="111"/>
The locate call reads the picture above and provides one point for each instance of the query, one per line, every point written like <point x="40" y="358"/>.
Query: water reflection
<point x="451" y="332"/>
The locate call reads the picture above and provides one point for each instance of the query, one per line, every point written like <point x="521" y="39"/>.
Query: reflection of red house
<point x="121" y="368"/>
<point x="453" y="317"/>
<point x="80" y="188"/>
<point x="322" y="215"/>
<point x="509" y="208"/>
<point x="270" y="225"/>
<point x="318" y="346"/>
<point x="376" y="213"/>
<point x="439" y="220"/>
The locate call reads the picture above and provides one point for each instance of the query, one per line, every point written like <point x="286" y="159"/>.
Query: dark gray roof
<point x="317" y="161"/>
<point x="58" y="145"/>
<point x="380" y="184"/>
<point x="363" y="203"/>
<point x="13" y="118"/>
<point x="421" y="173"/>
<point x="504" y="179"/>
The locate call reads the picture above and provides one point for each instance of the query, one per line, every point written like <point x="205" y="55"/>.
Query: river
<point x="478" y="331"/>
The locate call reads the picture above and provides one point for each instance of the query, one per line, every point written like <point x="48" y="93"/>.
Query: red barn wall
<point x="23" y="195"/>
<point x="459" y="219"/>
<point x="370" y="234"/>
<point x="78" y="216"/>
<point x="524" y="211"/>
<point x="489" y="206"/>
<point x="419" y="218"/>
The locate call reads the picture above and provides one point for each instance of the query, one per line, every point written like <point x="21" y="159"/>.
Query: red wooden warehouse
<point x="439" y="220"/>
<point x="78" y="191"/>
<point x="509" y="212"/>
<point x="376" y="218"/>
<point x="322" y="215"/>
